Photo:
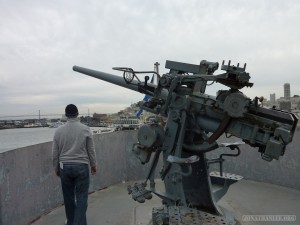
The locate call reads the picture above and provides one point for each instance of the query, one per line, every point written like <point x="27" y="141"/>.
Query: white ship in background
<point x="56" y="124"/>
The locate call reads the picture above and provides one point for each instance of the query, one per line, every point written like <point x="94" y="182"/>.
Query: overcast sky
<point x="40" y="41"/>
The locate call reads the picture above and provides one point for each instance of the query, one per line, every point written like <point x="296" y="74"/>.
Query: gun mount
<point x="194" y="123"/>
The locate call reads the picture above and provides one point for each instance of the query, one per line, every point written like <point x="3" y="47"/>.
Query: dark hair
<point x="71" y="111"/>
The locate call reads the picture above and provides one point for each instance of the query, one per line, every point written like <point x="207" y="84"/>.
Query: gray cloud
<point x="40" y="41"/>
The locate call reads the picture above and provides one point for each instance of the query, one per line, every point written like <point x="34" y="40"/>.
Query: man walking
<point x="73" y="152"/>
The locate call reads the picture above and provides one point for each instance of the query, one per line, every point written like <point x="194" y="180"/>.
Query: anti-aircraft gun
<point x="194" y="122"/>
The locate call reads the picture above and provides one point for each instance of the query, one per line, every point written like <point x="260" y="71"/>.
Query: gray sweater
<point x="73" y="143"/>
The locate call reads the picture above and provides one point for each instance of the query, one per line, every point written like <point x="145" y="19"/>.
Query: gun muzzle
<point x="134" y="85"/>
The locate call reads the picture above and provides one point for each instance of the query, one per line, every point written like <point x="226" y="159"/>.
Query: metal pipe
<point x="108" y="78"/>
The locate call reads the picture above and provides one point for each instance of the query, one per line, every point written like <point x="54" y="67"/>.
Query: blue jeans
<point x="75" y="180"/>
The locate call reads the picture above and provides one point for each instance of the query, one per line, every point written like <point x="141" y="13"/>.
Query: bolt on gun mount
<point x="195" y="121"/>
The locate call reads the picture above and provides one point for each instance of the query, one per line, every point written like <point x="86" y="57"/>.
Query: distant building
<point x="273" y="99"/>
<point x="287" y="91"/>
<point x="285" y="105"/>
<point x="288" y="102"/>
<point x="100" y="117"/>
<point x="129" y="111"/>
<point x="295" y="102"/>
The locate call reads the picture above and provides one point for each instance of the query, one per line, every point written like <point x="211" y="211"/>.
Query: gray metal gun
<point x="194" y="123"/>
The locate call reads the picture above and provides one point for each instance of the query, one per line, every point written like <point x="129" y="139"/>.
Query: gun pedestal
<point x="189" y="196"/>
<point x="202" y="191"/>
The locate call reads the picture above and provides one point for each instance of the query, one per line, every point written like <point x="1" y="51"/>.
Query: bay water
<point x="21" y="137"/>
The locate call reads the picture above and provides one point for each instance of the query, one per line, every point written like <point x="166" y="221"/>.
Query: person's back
<point x="75" y="142"/>
<point x="73" y="151"/>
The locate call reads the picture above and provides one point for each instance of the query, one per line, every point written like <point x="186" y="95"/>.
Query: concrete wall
<point x="29" y="188"/>
<point x="250" y="165"/>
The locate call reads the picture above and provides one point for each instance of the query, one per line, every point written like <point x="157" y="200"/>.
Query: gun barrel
<point x="108" y="78"/>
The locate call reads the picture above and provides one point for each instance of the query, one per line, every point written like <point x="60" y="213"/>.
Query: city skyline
<point x="272" y="98"/>
<point x="55" y="114"/>
<point x="41" y="41"/>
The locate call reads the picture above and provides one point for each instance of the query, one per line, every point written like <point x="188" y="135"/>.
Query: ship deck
<point x="113" y="206"/>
